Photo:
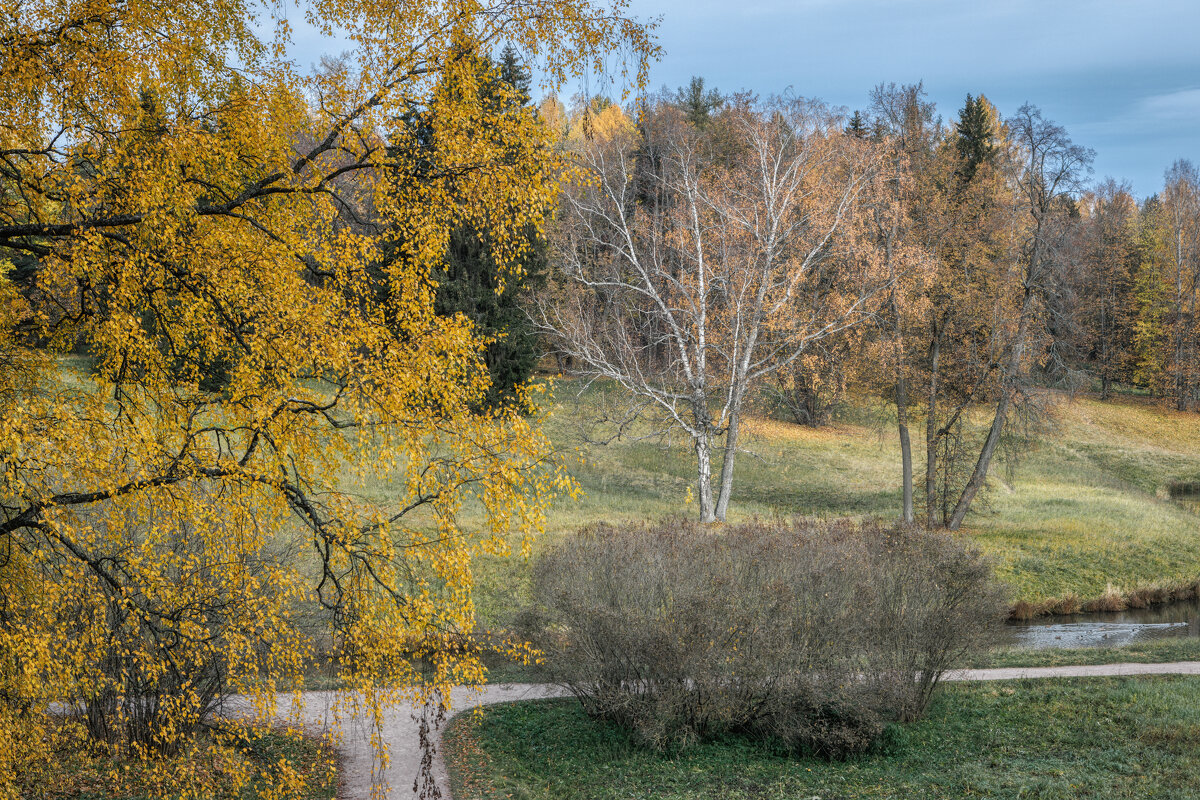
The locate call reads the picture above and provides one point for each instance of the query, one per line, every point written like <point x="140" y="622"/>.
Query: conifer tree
<point x="857" y="126"/>
<point x="697" y="103"/>
<point x="975" y="135"/>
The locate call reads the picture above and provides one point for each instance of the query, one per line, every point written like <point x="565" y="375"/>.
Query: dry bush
<point x="813" y="635"/>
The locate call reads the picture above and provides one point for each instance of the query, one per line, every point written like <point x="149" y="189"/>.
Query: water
<point x="1106" y="628"/>
<point x="1114" y="628"/>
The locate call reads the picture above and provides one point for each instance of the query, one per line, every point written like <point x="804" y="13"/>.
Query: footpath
<point x="400" y="726"/>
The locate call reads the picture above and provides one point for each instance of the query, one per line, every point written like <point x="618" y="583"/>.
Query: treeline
<point x="723" y="251"/>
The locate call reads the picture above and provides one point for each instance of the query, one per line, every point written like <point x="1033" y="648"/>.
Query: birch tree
<point x="695" y="263"/>
<point x="172" y="198"/>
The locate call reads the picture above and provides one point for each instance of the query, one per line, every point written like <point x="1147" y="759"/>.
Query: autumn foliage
<point x="267" y="458"/>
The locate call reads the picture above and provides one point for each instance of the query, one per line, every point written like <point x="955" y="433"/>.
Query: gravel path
<point x="401" y="725"/>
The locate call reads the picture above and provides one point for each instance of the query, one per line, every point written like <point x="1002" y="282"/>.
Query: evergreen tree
<point x="975" y="135"/>
<point x="470" y="282"/>
<point x="514" y="73"/>
<point x="858" y="127"/>
<point x="697" y="103"/>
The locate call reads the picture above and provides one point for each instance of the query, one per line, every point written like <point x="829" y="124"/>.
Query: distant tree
<point x="975" y="135"/>
<point x="857" y="127"/>
<point x="697" y="103"/>
<point x="1181" y="213"/>
<point x="691" y="293"/>
<point x="514" y="73"/>
<point x="898" y="208"/>
<point x="1106" y="283"/>
<point x="1152" y="293"/>
<point x="1051" y="170"/>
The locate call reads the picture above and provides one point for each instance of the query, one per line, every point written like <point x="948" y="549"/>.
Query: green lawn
<point x="1080" y="738"/>
<point x="1159" y="651"/>
<point x="1085" y="513"/>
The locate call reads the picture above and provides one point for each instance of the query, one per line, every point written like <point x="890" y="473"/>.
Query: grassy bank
<point x="1160" y="651"/>
<point x="1084" y="519"/>
<point x="1095" y="738"/>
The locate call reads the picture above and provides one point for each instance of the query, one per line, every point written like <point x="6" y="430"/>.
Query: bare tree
<point x="694" y="263"/>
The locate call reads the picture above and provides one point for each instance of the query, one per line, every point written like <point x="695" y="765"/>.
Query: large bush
<point x="813" y="635"/>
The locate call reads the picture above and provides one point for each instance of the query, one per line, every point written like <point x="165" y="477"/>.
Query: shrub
<point x="814" y="635"/>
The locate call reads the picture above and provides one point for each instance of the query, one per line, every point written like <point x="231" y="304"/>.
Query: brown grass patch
<point x="1111" y="600"/>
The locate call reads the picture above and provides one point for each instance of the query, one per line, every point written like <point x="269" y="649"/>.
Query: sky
<point x="1122" y="76"/>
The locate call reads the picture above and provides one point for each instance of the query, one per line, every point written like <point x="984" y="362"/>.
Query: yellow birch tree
<point x="268" y="454"/>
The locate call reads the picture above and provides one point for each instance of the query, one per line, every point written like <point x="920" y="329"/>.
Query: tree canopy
<point x="176" y="198"/>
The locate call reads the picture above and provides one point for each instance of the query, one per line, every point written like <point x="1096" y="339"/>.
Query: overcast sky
<point x="1123" y="76"/>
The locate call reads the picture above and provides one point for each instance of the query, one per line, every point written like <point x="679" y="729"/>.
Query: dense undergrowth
<point x="239" y="763"/>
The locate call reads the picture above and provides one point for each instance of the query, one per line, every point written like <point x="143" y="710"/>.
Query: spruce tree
<point x="470" y="282"/>
<point x="697" y="103"/>
<point x="858" y="126"/>
<point x="976" y="136"/>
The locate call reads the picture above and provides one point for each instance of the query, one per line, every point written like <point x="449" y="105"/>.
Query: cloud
<point x="1177" y="106"/>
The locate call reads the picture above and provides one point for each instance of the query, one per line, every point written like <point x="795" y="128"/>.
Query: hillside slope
<point x="1084" y="513"/>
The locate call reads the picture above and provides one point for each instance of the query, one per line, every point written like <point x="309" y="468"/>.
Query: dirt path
<point x="401" y="725"/>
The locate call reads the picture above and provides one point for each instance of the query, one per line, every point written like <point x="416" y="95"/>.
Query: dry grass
<point x="1085" y="511"/>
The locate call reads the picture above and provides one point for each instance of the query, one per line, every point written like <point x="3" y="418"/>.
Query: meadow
<point x="1083" y="517"/>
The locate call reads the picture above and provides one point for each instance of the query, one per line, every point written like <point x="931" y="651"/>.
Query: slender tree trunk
<point x="979" y="474"/>
<point x="731" y="441"/>
<point x="1104" y="354"/>
<point x="703" y="444"/>
<point x="1178" y="328"/>
<point x="931" y="431"/>
<point x="704" y="478"/>
<point x="906" y="464"/>
<point x="906" y="467"/>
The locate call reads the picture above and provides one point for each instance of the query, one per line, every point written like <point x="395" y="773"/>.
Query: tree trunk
<point x="731" y="441"/>
<point x="905" y="444"/>
<point x="704" y="478"/>
<point x="1178" y="329"/>
<point x="906" y="467"/>
<point x="1105" y="358"/>
<point x="979" y="474"/>
<point x="931" y="433"/>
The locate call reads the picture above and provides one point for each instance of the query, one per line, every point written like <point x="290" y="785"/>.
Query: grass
<point x="1084" y="517"/>
<point x="1159" y="651"/>
<point x="1081" y="738"/>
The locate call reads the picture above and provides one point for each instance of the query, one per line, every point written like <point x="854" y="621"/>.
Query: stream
<point x="1105" y="628"/>
<point x="1114" y="628"/>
